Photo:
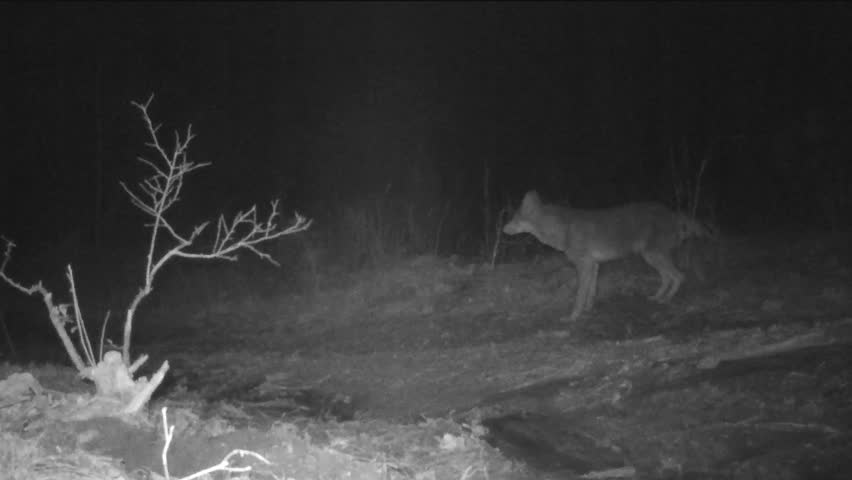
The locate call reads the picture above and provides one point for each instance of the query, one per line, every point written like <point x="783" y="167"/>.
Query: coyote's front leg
<point x="587" y="278"/>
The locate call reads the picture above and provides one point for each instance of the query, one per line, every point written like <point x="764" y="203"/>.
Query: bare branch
<point x="228" y="241"/>
<point x="57" y="313"/>
<point x="162" y="189"/>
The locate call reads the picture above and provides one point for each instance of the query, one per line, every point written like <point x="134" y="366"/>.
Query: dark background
<point x="440" y="113"/>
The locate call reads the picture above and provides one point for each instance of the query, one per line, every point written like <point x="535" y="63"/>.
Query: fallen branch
<point x="816" y="338"/>
<point x="223" y="466"/>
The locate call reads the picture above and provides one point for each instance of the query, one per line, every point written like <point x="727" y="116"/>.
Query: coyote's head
<point x="522" y="220"/>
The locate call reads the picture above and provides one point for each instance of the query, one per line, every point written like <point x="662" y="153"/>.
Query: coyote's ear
<point x="531" y="200"/>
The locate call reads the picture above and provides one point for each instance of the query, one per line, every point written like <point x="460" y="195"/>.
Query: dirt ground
<point x="746" y="374"/>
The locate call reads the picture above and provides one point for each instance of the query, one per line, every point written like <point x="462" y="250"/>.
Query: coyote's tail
<point x="692" y="227"/>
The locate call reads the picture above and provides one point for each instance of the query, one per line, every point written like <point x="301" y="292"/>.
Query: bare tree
<point x="155" y="196"/>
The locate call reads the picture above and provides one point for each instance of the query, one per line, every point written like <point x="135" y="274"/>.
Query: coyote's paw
<point x="656" y="298"/>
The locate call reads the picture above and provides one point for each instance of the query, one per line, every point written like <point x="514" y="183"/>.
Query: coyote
<point x="589" y="237"/>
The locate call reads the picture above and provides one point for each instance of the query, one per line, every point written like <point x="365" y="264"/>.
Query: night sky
<point x="325" y="105"/>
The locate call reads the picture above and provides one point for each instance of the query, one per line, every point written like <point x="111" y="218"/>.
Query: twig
<point x="9" y="344"/>
<point x="85" y="344"/>
<point x="168" y="433"/>
<point x="498" y="236"/>
<point x="103" y="333"/>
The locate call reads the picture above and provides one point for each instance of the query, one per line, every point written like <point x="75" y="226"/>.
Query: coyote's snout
<point x="589" y="237"/>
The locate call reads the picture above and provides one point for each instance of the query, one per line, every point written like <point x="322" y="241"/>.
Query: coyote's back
<point x="589" y="237"/>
